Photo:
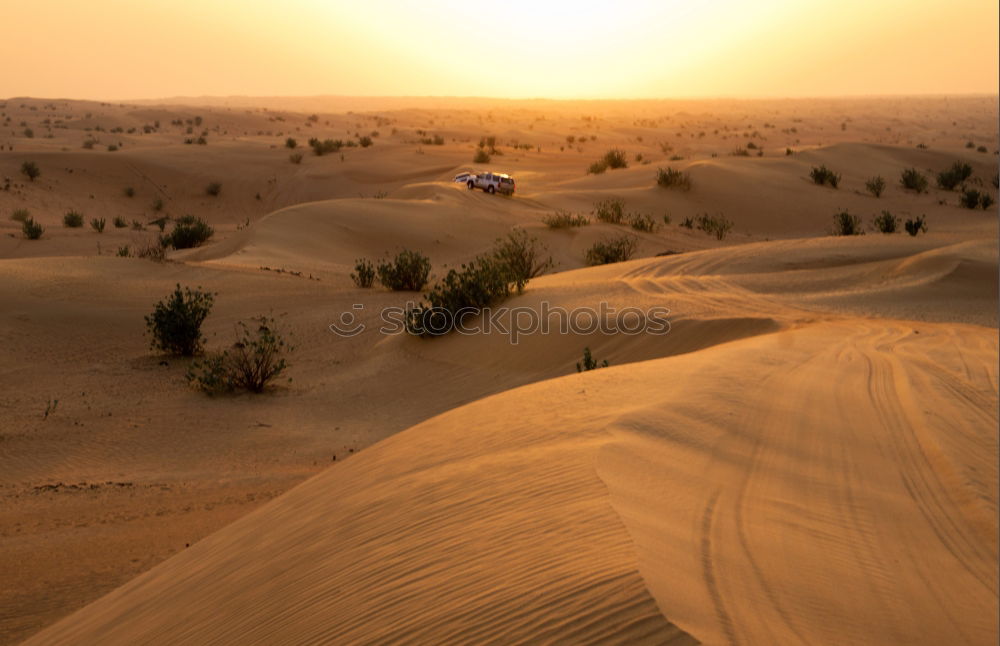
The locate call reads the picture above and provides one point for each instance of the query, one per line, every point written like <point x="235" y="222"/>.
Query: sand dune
<point x="808" y="456"/>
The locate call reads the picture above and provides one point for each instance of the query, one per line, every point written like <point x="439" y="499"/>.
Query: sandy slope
<point x="807" y="456"/>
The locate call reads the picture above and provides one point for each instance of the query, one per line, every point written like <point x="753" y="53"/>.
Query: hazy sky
<point x="123" y="49"/>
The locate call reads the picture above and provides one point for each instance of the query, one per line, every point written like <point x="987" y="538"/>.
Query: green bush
<point x="408" y="271"/>
<point x="213" y="189"/>
<point x="364" y="273"/>
<point x="175" y="324"/>
<point x="20" y="215"/>
<point x="31" y="229"/>
<point x="589" y="363"/>
<point x="565" y="220"/>
<point x="73" y="220"/>
<point x="716" y="225"/>
<point x="255" y="360"/>
<point x="462" y="293"/>
<point x="120" y="222"/>
<point x="611" y="210"/>
<point x="642" y="222"/>
<point x="481" y="157"/>
<point x="915" y="226"/>
<point x="609" y="250"/>
<point x="188" y="232"/>
<point x="913" y="180"/>
<point x="822" y="175"/>
<point x="845" y="224"/>
<point x="885" y="222"/>
<point x="31" y="170"/>
<point x="523" y="256"/>
<point x="670" y="178"/>
<point x="952" y="177"/>
<point x="875" y="185"/>
<point x="97" y="224"/>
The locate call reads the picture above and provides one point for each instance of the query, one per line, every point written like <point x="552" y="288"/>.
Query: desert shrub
<point x="970" y="198"/>
<point x="291" y="143"/>
<point x="597" y="167"/>
<point x="822" y="175"/>
<point x="609" y="250"/>
<point x="885" y="222"/>
<point x="157" y="204"/>
<point x="589" y="362"/>
<point x="137" y="226"/>
<point x="523" y="256"/>
<point x="364" y="273"/>
<point x="789" y="152"/>
<point x="913" y="180"/>
<point x="481" y="157"/>
<point x="981" y="149"/>
<point x="611" y="210"/>
<point x="969" y="144"/>
<point x="687" y="223"/>
<point x="996" y="180"/>
<point x="365" y="141"/>
<point x="124" y="252"/>
<point x="295" y="158"/>
<point x="408" y="271"/>
<point x="615" y="158"/>
<point x="31" y="229"/>
<point x="670" y="178"/>
<point x="154" y="248"/>
<point x="915" y="225"/>
<point x="845" y="224"/>
<point x="985" y="200"/>
<point x="740" y="152"/>
<point x="129" y="191"/>
<point x="29" y="133"/>
<point x="160" y="223"/>
<point x="112" y="148"/>
<point x="20" y="215"/>
<point x="642" y="222"/>
<point x="189" y="232"/>
<point x="463" y="292"/>
<point x="120" y="222"/>
<point x="97" y="224"/>
<point x="73" y="219"/>
<point x="213" y="189"/>
<point x="254" y="361"/>
<point x="175" y="324"/>
<point x="952" y="177"/>
<point x="875" y="185"/>
<point x="325" y="146"/>
<point x="716" y="225"/>
<point x="565" y="220"/>
<point x="31" y="170"/>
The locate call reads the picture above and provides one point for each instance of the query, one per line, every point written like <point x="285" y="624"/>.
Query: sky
<point x="123" y="49"/>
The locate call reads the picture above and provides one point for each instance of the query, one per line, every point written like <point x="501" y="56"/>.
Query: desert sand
<point x="809" y="456"/>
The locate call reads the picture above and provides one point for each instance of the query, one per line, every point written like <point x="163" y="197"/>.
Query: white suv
<point x="492" y="183"/>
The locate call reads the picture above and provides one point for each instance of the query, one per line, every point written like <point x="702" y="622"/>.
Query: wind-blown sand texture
<point x="809" y="456"/>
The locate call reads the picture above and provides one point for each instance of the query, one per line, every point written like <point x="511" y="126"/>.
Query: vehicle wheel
<point x="471" y="185"/>
<point x="490" y="189"/>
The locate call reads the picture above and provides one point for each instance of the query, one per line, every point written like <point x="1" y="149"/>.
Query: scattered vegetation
<point x="613" y="159"/>
<point x="408" y="271"/>
<point x="949" y="179"/>
<point x="73" y="220"/>
<point x="326" y="146"/>
<point x="915" y="225"/>
<point x="589" y="362"/>
<point x="845" y="224"/>
<point x="875" y="185"/>
<point x="885" y="222"/>
<point x="175" y="324"/>
<point x="364" y="273"/>
<point x="523" y="257"/>
<point x="642" y="222"/>
<point x="188" y="232"/>
<point x="913" y="180"/>
<point x="565" y="220"/>
<point x="611" y="210"/>
<point x="120" y="222"/>
<point x="213" y="189"/>
<point x="716" y="225"/>
<point x="614" y="249"/>
<point x="31" y="170"/>
<point x="972" y="198"/>
<point x="97" y="224"/>
<point x="31" y="229"/>
<point x="254" y="361"/>
<point x="670" y="178"/>
<point x="822" y="175"/>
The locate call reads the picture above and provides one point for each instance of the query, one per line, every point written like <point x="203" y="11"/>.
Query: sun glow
<point x="517" y="48"/>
